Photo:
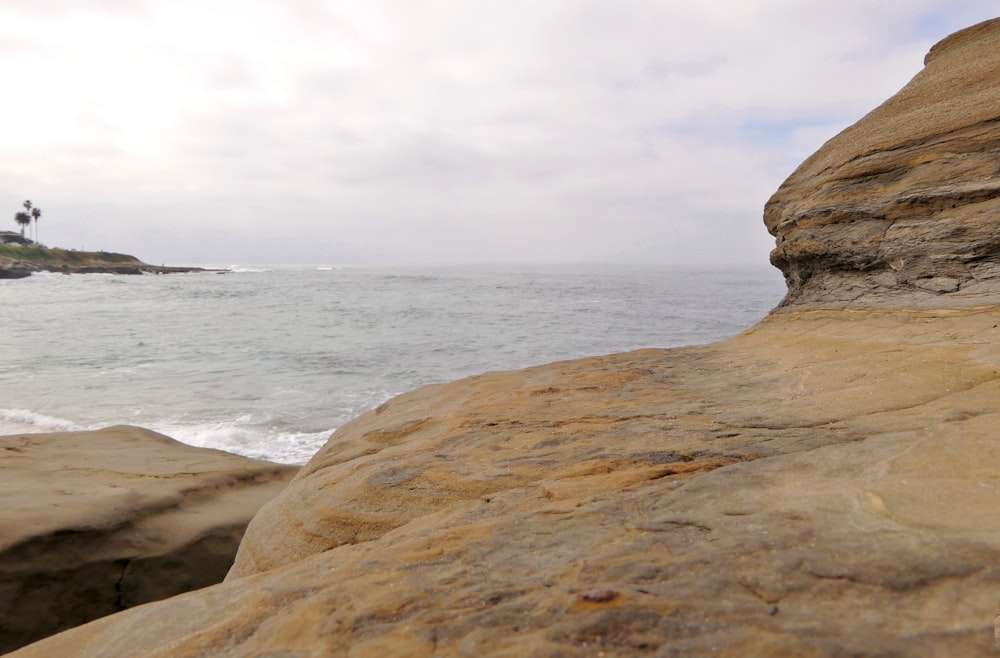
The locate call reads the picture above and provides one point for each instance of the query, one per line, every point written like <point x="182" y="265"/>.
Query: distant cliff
<point x="18" y="261"/>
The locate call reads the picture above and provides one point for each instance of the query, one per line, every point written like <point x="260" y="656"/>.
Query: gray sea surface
<point x="267" y="362"/>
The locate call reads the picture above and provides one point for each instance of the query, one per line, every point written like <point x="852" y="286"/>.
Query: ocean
<point x="268" y="361"/>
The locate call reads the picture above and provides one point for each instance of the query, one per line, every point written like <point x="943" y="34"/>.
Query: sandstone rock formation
<point x="901" y="207"/>
<point x="824" y="484"/>
<point x="816" y="486"/>
<point x="95" y="522"/>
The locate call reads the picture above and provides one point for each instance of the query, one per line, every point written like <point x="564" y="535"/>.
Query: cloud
<point x="441" y="131"/>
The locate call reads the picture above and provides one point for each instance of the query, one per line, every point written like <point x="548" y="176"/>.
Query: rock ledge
<point x="899" y="209"/>
<point x="96" y="522"/>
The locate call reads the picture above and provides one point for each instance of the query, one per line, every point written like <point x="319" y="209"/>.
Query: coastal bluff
<point x="19" y="261"/>
<point x="826" y="483"/>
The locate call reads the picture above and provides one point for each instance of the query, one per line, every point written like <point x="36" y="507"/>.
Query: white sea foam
<point x="242" y="437"/>
<point x="19" y="421"/>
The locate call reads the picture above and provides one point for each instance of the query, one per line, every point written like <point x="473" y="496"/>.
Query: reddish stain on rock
<point x="599" y="595"/>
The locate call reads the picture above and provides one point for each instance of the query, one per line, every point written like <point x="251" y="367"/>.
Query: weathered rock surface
<point x="824" y="484"/>
<point x="901" y="207"/>
<point x="821" y="485"/>
<point x="95" y="522"/>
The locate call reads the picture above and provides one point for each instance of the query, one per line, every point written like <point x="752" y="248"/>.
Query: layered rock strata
<point x="96" y="522"/>
<point x="824" y="484"/>
<point x="901" y="207"/>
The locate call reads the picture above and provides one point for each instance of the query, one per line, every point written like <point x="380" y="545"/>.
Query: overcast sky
<point x="435" y="131"/>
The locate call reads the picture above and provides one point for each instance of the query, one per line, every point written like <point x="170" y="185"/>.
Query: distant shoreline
<point x="20" y="261"/>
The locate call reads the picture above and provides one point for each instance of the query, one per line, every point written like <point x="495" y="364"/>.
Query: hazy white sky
<point x="435" y="131"/>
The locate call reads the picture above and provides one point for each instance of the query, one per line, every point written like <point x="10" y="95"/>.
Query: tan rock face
<point x="824" y="484"/>
<point x="96" y="522"/>
<point x="901" y="208"/>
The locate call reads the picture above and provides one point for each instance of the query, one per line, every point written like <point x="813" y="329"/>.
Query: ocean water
<point x="267" y="362"/>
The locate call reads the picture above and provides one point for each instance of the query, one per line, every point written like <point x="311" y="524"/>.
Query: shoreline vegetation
<point x="19" y="261"/>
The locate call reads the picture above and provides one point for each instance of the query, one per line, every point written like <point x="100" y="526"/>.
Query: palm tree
<point x="23" y="219"/>
<point x="27" y="211"/>
<point x="35" y="214"/>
